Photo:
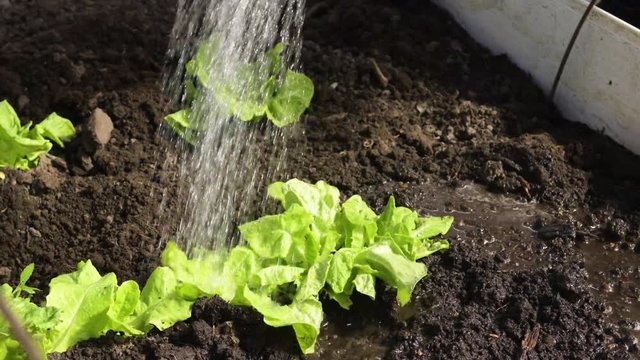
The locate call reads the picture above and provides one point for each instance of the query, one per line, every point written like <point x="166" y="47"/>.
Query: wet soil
<point x="544" y="261"/>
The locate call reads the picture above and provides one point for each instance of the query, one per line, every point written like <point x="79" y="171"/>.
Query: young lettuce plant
<point x="85" y="305"/>
<point x="281" y="98"/>
<point x="36" y="320"/>
<point x="317" y="247"/>
<point x="22" y="146"/>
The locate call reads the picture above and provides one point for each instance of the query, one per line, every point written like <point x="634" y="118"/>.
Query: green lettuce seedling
<point x="281" y="99"/>
<point x="22" y="146"/>
<point x="316" y="247"/>
<point x="85" y="305"/>
<point x="37" y="320"/>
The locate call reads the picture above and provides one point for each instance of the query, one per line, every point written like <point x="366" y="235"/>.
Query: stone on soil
<point x="100" y="127"/>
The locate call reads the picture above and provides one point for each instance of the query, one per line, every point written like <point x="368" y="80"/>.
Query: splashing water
<point x="233" y="161"/>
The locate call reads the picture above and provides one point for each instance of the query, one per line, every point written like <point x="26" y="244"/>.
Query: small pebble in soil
<point x="5" y="273"/>
<point x="23" y="101"/>
<point x="548" y="340"/>
<point x="34" y="232"/>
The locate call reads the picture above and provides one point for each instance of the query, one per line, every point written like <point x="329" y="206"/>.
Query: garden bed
<point x="546" y="238"/>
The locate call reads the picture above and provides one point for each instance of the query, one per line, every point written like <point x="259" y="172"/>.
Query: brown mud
<point x="544" y="257"/>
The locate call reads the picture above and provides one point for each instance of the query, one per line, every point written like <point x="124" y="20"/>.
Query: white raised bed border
<point x="600" y="85"/>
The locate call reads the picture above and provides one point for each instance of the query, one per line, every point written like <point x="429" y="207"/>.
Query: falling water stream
<point x="232" y="162"/>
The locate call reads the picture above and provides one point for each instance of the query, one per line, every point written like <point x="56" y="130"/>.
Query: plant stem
<point x="19" y="331"/>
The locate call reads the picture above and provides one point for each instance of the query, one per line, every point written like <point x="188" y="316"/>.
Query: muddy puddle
<point x="515" y="233"/>
<point x="614" y="275"/>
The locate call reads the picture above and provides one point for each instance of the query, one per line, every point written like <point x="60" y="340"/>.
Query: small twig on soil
<point x="3" y="210"/>
<point x="384" y="81"/>
<point x="530" y="340"/>
<point x="19" y="332"/>
<point x="565" y="57"/>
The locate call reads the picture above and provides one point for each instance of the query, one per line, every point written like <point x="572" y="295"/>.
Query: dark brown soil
<point x="451" y="115"/>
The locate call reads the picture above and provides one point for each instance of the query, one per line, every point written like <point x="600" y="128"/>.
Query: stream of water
<point x="227" y="171"/>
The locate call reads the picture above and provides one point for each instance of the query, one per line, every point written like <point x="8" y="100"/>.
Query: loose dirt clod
<point x="46" y="177"/>
<point x="100" y="127"/>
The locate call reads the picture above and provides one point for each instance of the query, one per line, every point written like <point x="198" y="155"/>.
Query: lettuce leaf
<point x="317" y="245"/>
<point x="256" y="90"/>
<point x="83" y="298"/>
<point x="22" y="146"/>
<point x="182" y="124"/>
<point x="56" y="129"/>
<point x="161" y="303"/>
<point x="305" y="316"/>
<point x="35" y="319"/>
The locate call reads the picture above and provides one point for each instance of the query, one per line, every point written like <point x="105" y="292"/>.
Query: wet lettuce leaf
<point x="318" y="246"/>
<point x="258" y="90"/>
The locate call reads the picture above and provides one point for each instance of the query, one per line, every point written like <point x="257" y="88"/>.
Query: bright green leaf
<point x="365" y="284"/>
<point x="305" y="317"/>
<point x="272" y="236"/>
<point x="20" y="146"/>
<point x="395" y="269"/>
<point x="432" y="226"/>
<point x="242" y="264"/>
<point x="357" y="223"/>
<point x="315" y="279"/>
<point x="202" y="271"/>
<point x="341" y="268"/>
<point x="277" y="275"/>
<point x="121" y="311"/>
<point x="160" y="302"/>
<point x="83" y="297"/>
<point x="56" y="129"/>
<point x="25" y="275"/>
<point x="291" y="100"/>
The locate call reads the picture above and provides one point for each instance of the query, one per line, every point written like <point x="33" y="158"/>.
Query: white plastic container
<point x="600" y="85"/>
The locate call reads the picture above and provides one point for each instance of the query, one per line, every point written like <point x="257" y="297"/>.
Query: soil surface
<point x="545" y="250"/>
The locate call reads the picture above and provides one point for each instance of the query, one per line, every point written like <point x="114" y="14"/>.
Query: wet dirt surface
<point x="546" y="240"/>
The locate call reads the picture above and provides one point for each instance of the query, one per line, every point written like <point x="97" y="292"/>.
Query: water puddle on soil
<point x="506" y="227"/>
<point x="615" y="276"/>
<point x="351" y="342"/>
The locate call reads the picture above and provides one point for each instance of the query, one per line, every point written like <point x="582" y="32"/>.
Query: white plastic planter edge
<point x="600" y="86"/>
